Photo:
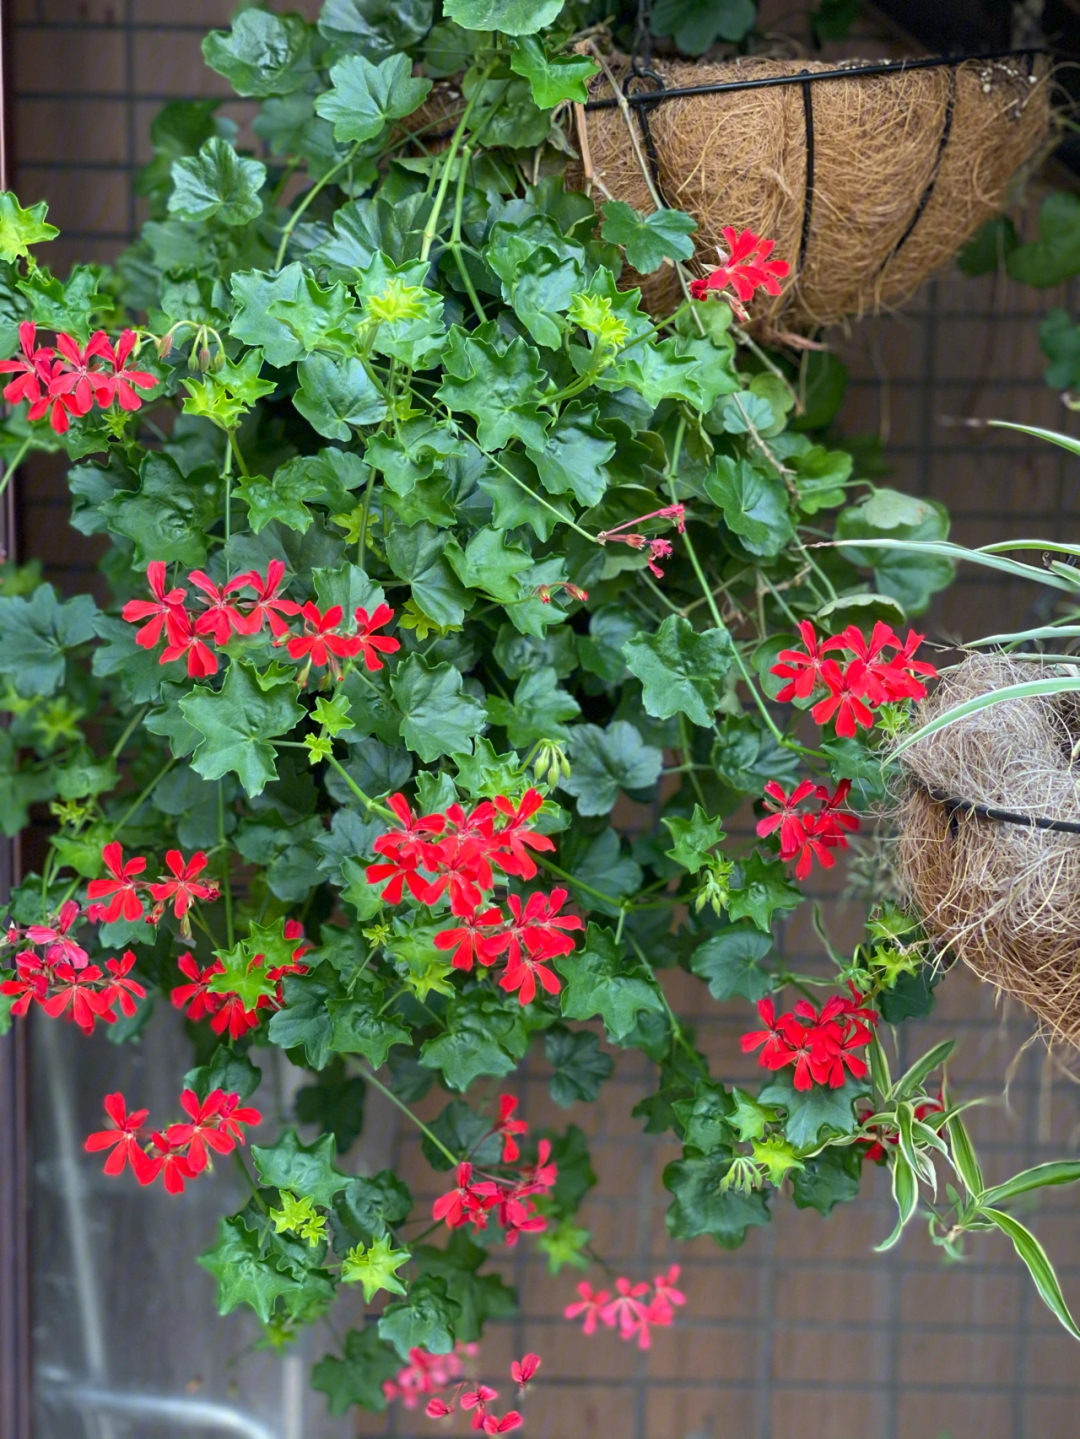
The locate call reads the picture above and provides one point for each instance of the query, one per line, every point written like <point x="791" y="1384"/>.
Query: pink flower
<point x="591" y="1305"/>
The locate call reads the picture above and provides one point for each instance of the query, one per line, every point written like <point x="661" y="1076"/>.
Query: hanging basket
<point x="869" y="176"/>
<point x="988" y="846"/>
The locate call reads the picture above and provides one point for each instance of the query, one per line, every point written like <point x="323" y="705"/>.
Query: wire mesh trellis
<point x="804" y="1329"/>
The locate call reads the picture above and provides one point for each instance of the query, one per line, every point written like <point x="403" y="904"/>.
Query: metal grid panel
<point x="804" y="1329"/>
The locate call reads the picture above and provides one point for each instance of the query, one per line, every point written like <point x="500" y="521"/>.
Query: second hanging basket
<point x="868" y="182"/>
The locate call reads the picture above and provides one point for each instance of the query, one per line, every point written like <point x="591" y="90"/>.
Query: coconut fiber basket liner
<point x="988" y="837"/>
<point x="869" y="176"/>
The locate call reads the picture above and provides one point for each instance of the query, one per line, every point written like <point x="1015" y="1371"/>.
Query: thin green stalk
<point x="361" y="545"/>
<point x="319" y="185"/>
<point x="20" y="455"/>
<point x="372" y="806"/>
<point x="431" y="228"/>
<point x="226" y="885"/>
<point x="541" y="501"/>
<point x="145" y="795"/>
<point x="259" y="1200"/>
<point x="676" y="1027"/>
<point x="118" y="747"/>
<point x="239" y="457"/>
<point x="369" y="1075"/>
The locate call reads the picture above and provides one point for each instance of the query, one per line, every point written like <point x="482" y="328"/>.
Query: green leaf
<point x="500" y="391"/>
<point x="417" y="553"/>
<point x="1060" y="341"/>
<point x="552" y="78"/>
<point x="335" y="393"/>
<point x="234" y="1073"/>
<point x="243" y="1275"/>
<point x="217" y="185"/>
<point x="335" y="1102"/>
<point x="908" y="576"/>
<point x="169" y="515"/>
<point x="967" y="1165"/>
<point x="597" y="983"/>
<point x="368" y="1207"/>
<point x="754" y="504"/>
<point x="512" y="17"/>
<point x="364" y="97"/>
<point x="603" y="761"/>
<point x="538" y="711"/>
<point x="263" y="54"/>
<point x="319" y="317"/>
<point x="830" y="1178"/>
<point x="599" y="863"/>
<point x="480" y="1296"/>
<point x="697" y="24"/>
<point x="375" y="1268"/>
<point x="305" y="1169"/>
<point x="483" y="1036"/>
<point x="648" y="240"/>
<point x="701" y="1206"/>
<point x="574" y="456"/>
<point x="679" y="669"/>
<point x="580" y="1067"/>
<point x="375" y="28"/>
<point x="35" y="635"/>
<point x="989" y="248"/>
<point x="359" y="1377"/>
<point x="728" y="961"/>
<point x="359" y="1028"/>
<point x="693" y="837"/>
<point x="282" y="498"/>
<point x="21" y="228"/>
<point x="704" y="1116"/>
<point x="1039" y="1267"/>
<point x="487" y="563"/>
<point x="817" y="1113"/>
<point x="237" y="724"/>
<point x="1061" y="1171"/>
<point x="1055" y="255"/>
<point x="253" y="293"/>
<point x="425" y="1321"/>
<point x="759" y="888"/>
<point x="437" y="718"/>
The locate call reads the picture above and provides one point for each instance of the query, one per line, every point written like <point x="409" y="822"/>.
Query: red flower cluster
<point x="64" y="983"/>
<point x="472" y="1200"/>
<point x="631" y="1309"/>
<point x="478" y="1399"/>
<point x="871" y="677"/>
<point x="226" y="613"/>
<point x="659" y="549"/>
<point x="820" y="1044"/>
<point x="180" y="1152"/>
<point x="425" y="1373"/>
<point x="122" y="889"/>
<point x="807" y="836"/>
<point x="67" y="384"/>
<point x="455" y="853"/>
<point x="745" y="267"/>
<point x="228" y="1011"/>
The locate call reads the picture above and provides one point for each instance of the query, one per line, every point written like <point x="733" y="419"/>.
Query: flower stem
<point x="306" y="201"/>
<point x="431" y="228"/>
<point x="145" y="794"/>
<point x="369" y="1075"/>
<point x="226" y="884"/>
<point x="20" y="455"/>
<point x="372" y="806"/>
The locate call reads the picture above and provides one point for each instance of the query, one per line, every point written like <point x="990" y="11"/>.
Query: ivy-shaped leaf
<point x="605" y="761"/>
<point x="552" y="78"/>
<point x="579" y="1063"/>
<point x="596" y="983"/>
<point x="701" y="1206"/>
<point x="728" y="961"/>
<point x="358" y="1378"/>
<point x="262" y="54"/>
<point x="425" y="1320"/>
<point x="437" y="717"/>
<point x="648" y="240"/>
<point x="335" y="394"/>
<point x="679" y="669"/>
<point x="304" y="1169"/>
<point x="19" y="228"/>
<point x="217" y="185"/>
<point x="363" y="97"/>
<point x="35" y="635"/>
<point x="238" y="723"/>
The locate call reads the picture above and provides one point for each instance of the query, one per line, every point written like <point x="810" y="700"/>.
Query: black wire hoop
<point x="955" y="806"/>
<point x="642" y="102"/>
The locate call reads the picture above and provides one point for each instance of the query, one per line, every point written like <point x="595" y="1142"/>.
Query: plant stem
<point x="20" y="455"/>
<point x="144" y="795"/>
<point x="361" y="545"/>
<point x="118" y="747"/>
<point x="372" y="806"/>
<point x="431" y="228"/>
<point x="226" y="886"/>
<point x="369" y="1075"/>
<point x="259" y="1200"/>
<point x="306" y="201"/>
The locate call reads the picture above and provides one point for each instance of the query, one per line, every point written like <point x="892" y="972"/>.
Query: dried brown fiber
<point x="1004" y="898"/>
<point x="739" y="158"/>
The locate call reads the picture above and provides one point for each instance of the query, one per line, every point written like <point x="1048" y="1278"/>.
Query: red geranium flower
<point x="123" y="378"/>
<point x="123" y="887"/>
<point x="802" y="668"/>
<point x="78" y="378"/>
<point x="197" y="995"/>
<point x="371" y="644"/>
<point x="165" y="610"/>
<point x="61" y="947"/>
<point x="77" y="989"/>
<point x="590" y="1306"/>
<point x="845" y="699"/>
<point x="468" y="1202"/>
<point x="58" y="405"/>
<point x="183" y="889"/>
<point x="322" y="643"/>
<point x="203" y="1128"/>
<point x="124" y="1141"/>
<point x="220" y="617"/>
<point x="184" y="643"/>
<point x="121" y="990"/>
<point x="31" y="367"/>
<point x="269" y="604"/>
<point x="471" y="938"/>
<point x="746" y="267"/>
<point x="507" y="1127"/>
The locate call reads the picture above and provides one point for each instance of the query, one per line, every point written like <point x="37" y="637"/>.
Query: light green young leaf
<point x="375" y="1268"/>
<point x="512" y="17"/>
<point x="552" y="78"/>
<point x="19" y="228"/>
